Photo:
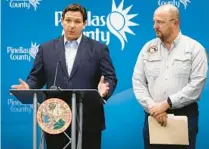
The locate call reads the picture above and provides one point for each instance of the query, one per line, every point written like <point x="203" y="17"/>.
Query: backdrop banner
<point x="125" y="26"/>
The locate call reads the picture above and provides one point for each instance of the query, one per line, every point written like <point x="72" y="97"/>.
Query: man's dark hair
<point x="75" y="7"/>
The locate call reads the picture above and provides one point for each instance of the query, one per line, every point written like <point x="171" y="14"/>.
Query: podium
<point x="76" y="96"/>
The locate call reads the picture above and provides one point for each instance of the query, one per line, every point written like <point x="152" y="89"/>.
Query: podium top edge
<point x="52" y="90"/>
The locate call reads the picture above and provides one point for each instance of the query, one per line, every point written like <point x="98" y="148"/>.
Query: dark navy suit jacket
<point x="91" y="62"/>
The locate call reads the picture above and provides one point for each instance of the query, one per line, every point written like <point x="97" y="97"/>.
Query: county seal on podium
<point x="54" y="116"/>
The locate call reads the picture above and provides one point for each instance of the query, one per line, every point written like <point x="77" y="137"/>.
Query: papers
<point x="175" y="132"/>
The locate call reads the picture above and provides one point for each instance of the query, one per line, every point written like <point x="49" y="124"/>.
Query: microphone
<point x="55" y="77"/>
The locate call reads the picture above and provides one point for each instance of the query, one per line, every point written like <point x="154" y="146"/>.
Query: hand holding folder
<point x="175" y="132"/>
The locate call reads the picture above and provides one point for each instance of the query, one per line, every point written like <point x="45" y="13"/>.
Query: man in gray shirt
<point x="169" y="75"/>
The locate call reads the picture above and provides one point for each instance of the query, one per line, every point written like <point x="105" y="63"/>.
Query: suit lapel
<point x="83" y="46"/>
<point x="61" y="51"/>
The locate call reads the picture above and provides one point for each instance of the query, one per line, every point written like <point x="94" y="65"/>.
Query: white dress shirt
<point x="178" y="73"/>
<point x="71" y="48"/>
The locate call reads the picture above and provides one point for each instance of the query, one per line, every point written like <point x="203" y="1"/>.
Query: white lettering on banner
<point x="91" y="20"/>
<point x="17" y="106"/>
<point x="57" y="17"/>
<point x="13" y="102"/>
<point x="19" y="50"/>
<point x="24" y="3"/>
<point x="21" y="53"/>
<point x="176" y="3"/>
<point x="13" y="4"/>
<point x="118" y="22"/>
<point x="20" y="109"/>
<point x="95" y="20"/>
<point x="20" y="57"/>
<point x="99" y="35"/>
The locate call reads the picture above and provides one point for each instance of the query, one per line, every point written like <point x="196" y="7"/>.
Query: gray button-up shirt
<point x="178" y="73"/>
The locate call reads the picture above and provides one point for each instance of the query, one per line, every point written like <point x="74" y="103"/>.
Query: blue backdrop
<point x="124" y="25"/>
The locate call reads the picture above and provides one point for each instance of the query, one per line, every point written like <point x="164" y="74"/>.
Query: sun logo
<point x="176" y="3"/>
<point x="118" y="22"/>
<point x="34" y="3"/>
<point x="185" y="2"/>
<point x="33" y="50"/>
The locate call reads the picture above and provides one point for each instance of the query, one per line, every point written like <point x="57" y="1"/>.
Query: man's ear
<point x="177" y="22"/>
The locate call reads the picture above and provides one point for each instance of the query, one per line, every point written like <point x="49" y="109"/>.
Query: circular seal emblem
<point x="54" y="116"/>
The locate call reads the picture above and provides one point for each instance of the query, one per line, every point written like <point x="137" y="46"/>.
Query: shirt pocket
<point x="152" y="66"/>
<point x="182" y="66"/>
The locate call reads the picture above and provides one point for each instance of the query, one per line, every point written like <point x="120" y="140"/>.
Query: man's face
<point x="73" y="24"/>
<point x="163" y="25"/>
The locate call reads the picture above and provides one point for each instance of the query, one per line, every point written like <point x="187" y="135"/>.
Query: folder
<point x="175" y="132"/>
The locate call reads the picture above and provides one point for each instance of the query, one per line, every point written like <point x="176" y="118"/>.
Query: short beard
<point x="162" y="37"/>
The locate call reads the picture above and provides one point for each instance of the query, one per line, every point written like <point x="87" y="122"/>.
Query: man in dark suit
<point x="81" y="63"/>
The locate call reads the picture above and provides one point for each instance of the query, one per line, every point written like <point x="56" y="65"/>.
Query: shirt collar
<point x="176" y="40"/>
<point x="77" y="41"/>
